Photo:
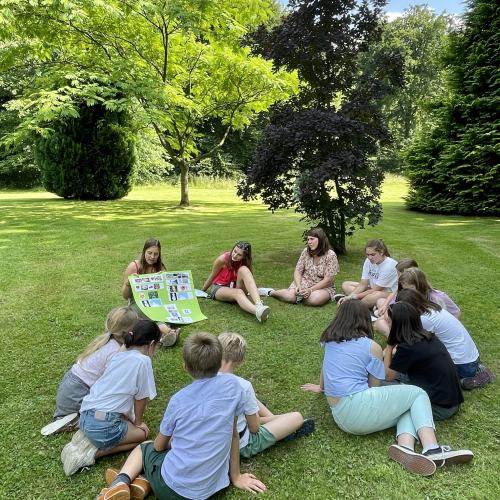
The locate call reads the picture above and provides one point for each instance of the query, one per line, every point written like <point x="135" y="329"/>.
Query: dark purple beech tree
<point x="316" y="153"/>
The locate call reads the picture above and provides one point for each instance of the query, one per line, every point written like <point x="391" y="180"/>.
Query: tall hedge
<point x="453" y="164"/>
<point x="90" y="157"/>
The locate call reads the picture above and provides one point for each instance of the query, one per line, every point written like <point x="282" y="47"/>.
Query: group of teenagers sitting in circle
<point x="209" y="424"/>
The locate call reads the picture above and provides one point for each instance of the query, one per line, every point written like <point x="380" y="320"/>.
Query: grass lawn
<point x="62" y="265"/>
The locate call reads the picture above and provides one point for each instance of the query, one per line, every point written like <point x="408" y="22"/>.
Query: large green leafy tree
<point x="419" y="36"/>
<point x="177" y="64"/>
<point x="316" y="153"/>
<point x="453" y="165"/>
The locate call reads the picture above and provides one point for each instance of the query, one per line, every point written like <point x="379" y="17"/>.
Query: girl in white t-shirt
<point x="453" y="334"/>
<point x="414" y="278"/>
<point x="89" y="366"/>
<point x="111" y="415"/>
<point x="378" y="279"/>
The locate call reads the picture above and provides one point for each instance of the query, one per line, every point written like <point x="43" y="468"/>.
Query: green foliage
<point x="419" y="37"/>
<point x="88" y="157"/>
<point x="453" y="165"/>
<point x="180" y="63"/>
<point x="316" y="152"/>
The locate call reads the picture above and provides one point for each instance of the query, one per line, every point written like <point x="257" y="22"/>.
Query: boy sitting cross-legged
<point x="197" y="448"/>
<point x="258" y="428"/>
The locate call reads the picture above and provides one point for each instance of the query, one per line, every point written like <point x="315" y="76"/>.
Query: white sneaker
<point x="262" y="312"/>
<point x="264" y="292"/>
<point x="80" y="452"/>
<point x="61" y="424"/>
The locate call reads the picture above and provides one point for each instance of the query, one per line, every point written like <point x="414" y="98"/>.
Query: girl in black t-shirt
<point x="423" y="358"/>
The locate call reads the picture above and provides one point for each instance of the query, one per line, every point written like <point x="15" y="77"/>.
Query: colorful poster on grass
<point x="168" y="296"/>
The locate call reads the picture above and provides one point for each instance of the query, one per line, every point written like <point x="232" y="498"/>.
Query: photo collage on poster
<point x="167" y="296"/>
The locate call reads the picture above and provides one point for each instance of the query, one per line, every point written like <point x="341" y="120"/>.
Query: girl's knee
<point x="243" y="270"/>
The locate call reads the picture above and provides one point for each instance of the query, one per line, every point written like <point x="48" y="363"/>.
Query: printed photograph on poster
<point x="157" y="295"/>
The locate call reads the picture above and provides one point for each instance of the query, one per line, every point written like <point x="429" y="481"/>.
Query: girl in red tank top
<point x="231" y="280"/>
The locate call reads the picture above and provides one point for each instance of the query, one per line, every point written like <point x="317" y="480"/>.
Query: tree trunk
<point x="184" y="184"/>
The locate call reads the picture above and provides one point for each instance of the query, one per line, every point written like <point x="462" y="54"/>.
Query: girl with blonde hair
<point x="89" y="366"/>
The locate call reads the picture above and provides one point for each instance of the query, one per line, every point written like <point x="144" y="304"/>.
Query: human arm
<point x="376" y="351"/>
<point x="390" y="374"/>
<point x="126" y="288"/>
<point x="317" y="388"/>
<point x="245" y="482"/>
<point x="139" y="407"/>
<point x="218" y="264"/>
<point x="362" y="290"/>
<point x="162" y="442"/>
<point x="253" y="422"/>
<point x="383" y="309"/>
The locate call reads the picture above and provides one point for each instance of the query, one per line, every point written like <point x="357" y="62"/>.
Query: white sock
<point x="432" y="446"/>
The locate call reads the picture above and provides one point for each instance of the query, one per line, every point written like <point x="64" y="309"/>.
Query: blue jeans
<point x="405" y="406"/>
<point x="467" y="369"/>
<point x="104" y="430"/>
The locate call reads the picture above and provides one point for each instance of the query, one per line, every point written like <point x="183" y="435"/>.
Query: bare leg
<point x="317" y="298"/>
<point x="281" y="426"/>
<point x="133" y="465"/>
<point x="226" y="294"/>
<point x="382" y="326"/>
<point x="427" y="436"/>
<point x="371" y="299"/>
<point x="406" y="440"/>
<point x="349" y="286"/>
<point x="285" y="295"/>
<point x="246" y="282"/>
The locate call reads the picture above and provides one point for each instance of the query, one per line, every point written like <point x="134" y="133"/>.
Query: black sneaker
<point x="445" y="455"/>
<point x="304" y="430"/>
<point x="411" y="461"/>
<point x="338" y="296"/>
<point x="483" y="377"/>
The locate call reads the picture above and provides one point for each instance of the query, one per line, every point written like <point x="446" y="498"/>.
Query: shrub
<point x="90" y="157"/>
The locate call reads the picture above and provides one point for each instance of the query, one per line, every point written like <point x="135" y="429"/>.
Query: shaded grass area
<point x="62" y="265"/>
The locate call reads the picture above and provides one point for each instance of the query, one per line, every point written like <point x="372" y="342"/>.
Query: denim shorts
<point x="104" y="430"/>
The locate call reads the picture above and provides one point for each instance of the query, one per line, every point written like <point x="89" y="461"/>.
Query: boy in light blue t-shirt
<point x="197" y="449"/>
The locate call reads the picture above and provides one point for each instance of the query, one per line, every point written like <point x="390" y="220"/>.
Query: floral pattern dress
<point x="314" y="273"/>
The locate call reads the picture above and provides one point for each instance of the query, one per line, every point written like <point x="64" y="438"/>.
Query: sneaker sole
<point x="58" y="425"/>
<point x="265" y="315"/>
<point x="418" y="464"/>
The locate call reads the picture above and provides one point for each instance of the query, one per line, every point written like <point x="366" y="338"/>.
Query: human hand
<point x="312" y="388"/>
<point x="145" y="428"/>
<point x="382" y="311"/>
<point x="248" y="482"/>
